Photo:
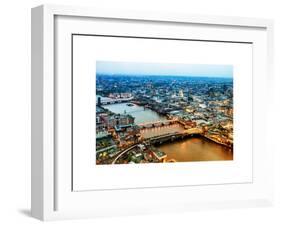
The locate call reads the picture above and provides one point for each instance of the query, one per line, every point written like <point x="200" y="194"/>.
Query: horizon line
<point x="156" y="75"/>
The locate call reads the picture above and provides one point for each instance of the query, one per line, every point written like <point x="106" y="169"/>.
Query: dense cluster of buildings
<point x="201" y="103"/>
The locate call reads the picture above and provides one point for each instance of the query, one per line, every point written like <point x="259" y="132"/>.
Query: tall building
<point x="117" y="120"/>
<point x="99" y="101"/>
<point x="181" y="94"/>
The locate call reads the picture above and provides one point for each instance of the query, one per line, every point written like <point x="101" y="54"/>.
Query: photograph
<point x="163" y="112"/>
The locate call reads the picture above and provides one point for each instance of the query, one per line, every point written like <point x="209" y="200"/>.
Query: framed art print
<point x="140" y="112"/>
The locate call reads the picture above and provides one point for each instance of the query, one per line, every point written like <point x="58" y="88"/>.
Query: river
<point x="195" y="149"/>
<point x="190" y="149"/>
<point x="140" y="113"/>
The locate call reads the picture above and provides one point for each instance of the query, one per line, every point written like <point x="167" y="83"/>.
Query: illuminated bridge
<point x="105" y="101"/>
<point x="157" y="123"/>
<point x="163" y="138"/>
<point x="174" y="136"/>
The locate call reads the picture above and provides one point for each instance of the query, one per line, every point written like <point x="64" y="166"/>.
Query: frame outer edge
<point x="271" y="105"/>
<point x="49" y="197"/>
<point x="43" y="203"/>
<point x="166" y="17"/>
<point x="42" y="111"/>
<point x="37" y="113"/>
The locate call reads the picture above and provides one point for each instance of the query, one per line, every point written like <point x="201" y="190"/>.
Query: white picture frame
<point x="54" y="198"/>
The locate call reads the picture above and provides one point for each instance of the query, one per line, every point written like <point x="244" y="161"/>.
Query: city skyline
<point x="159" y="69"/>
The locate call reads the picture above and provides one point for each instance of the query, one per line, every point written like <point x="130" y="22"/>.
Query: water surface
<point x="195" y="149"/>
<point x="141" y="114"/>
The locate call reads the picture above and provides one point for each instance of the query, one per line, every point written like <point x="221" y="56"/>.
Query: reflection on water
<point x="195" y="149"/>
<point x="140" y="113"/>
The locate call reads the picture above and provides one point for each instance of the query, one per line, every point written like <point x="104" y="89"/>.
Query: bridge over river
<point x="161" y="139"/>
<point x="157" y="123"/>
<point x="107" y="100"/>
<point x="174" y="136"/>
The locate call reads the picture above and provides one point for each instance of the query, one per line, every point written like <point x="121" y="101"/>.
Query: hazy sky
<point x="136" y="68"/>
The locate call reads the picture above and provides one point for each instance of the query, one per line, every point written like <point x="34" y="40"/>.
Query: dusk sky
<point x="137" y="68"/>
